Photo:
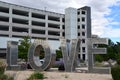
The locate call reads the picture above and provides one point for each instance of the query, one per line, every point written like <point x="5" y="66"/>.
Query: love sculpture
<point x="70" y="49"/>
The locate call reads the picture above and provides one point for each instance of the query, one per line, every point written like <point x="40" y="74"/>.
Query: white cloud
<point x="100" y="25"/>
<point x="112" y="32"/>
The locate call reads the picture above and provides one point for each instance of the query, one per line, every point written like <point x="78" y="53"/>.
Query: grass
<point x="66" y="76"/>
<point x="36" y="75"/>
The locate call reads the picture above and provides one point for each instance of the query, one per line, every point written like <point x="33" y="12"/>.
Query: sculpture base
<point x="13" y="67"/>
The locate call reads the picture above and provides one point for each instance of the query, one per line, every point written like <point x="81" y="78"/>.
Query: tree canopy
<point x="113" y="51"/>
<point x="23" y="48"/>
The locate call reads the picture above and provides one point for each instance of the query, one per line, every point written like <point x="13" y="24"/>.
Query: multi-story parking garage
<point x="18" y="21"/>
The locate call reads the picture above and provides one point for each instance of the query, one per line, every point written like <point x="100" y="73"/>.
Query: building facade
<point x="19" y="21"/>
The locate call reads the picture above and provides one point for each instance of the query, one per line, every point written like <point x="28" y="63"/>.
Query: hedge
<point x="115" y="71"/>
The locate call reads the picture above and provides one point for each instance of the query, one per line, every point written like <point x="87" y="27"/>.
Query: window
<point x="39" y="16"/>
<point x="78" y="34"/>
<point x="53" y="18"/>
<point x="35" y="23"/>
<point x="35" y="31"/>
<point x="83" y="56"/>
<point x="63" y="34"/>
<point x="83" y="40"/>
<point x="83" y="26"/>
<point x="63" y="26"/>
<point x="4" y="9"/>
<point x="78" y="13"/>
<point x="63" y="19"/>
<point x="19" y="21"/>
<point x="83" y="33"/>
<point x="83" y="19"/>
<point x="78" y="26"/>
<point x="54" y="33"/>
<point x="4" y="28"/>
<point x="17" y="29"/>
<point x="83" y="49"/>
<point x="51" y="25"/>
<point x="78" y="19"/>
<point x="5" y="19"/>
<point x="83" y="12"/>
<point x="19" y="12"/>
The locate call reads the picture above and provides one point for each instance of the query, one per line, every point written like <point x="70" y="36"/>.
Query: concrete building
<point x="18" y="21"/>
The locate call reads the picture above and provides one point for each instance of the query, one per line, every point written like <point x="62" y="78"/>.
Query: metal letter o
<point x="33" y="55"/>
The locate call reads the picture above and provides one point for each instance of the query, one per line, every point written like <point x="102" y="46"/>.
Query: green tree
<point x="115" y="70"/>
<point x="58" y="53"/>
<point x="117" y="51"/>
<point x="111" y="54"/>
<point x="42" y="53"/>
<point x="23" y="48"/>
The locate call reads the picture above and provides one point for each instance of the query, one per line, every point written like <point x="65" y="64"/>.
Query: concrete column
<point x="46" y="26"/>
<point x="10" y="21"/>
<point x="61" y="27"/>
<point x="30" y="24"/>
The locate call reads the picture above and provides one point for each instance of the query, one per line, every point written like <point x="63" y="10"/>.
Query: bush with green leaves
<point x="115" y="71"/>
<point x="5" y="77"/>
<point x="36" y="75"/>
<point x="118" y="61"/>
<point x="2" y="70"/>
<point x="2" y="67"/>
<point x="59" y="54"/>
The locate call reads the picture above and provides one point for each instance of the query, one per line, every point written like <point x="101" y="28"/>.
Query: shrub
<point x="118" y="61"/>
<point x="36" y="75"/>
<point x="1" y="70"/>
<point x="5" y="77"/>
<point x="115" y="71"/>
<point x="2" y="67"/>
<point x="61" y="68"/>
<point x="10" y="78"/>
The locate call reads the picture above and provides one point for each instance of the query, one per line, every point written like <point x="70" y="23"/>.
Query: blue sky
<point x="115" y="16"/>
<point x="105" y="14"/>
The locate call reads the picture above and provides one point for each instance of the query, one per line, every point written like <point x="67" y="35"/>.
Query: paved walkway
<point x="56" y="75"/>
<point x="19" y="75"/>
